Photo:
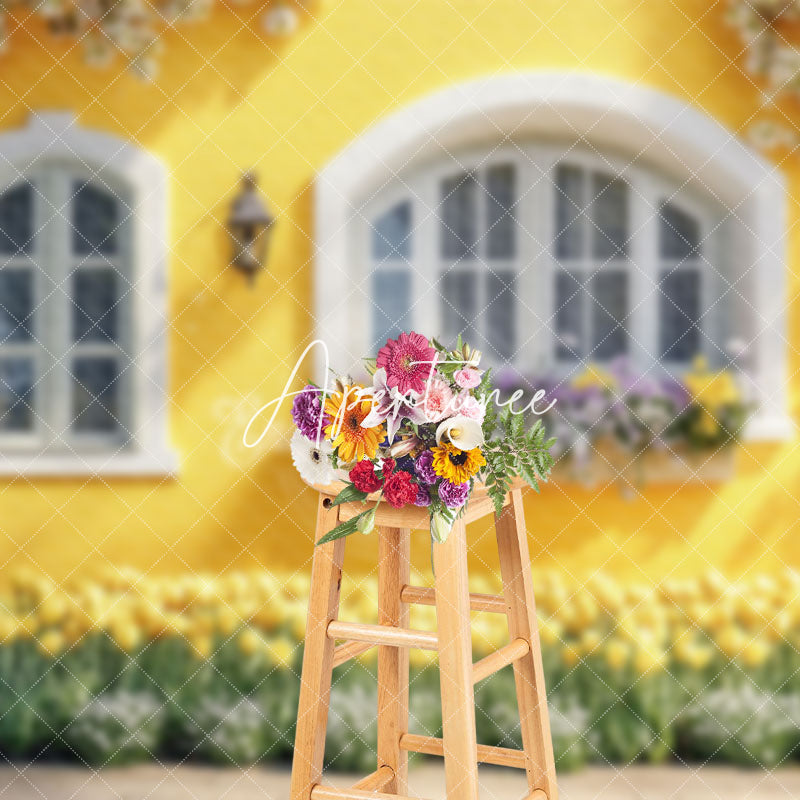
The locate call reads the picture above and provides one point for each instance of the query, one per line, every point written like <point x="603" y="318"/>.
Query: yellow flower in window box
<point x="594" y="377"/>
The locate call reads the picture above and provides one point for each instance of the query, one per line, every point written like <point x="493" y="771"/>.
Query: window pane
<point x="679" y="306"/>
<point x="459" y="216"/>
<point x="459" y="293"/>
<point x="679" y="234"/>
<point x="16" y="220"/>
<point x="95" y="395"/>
<point x="500" y="197"/>
<point x="570" y="205"/>
<point x="609" y="310"/>
<point x="569" y="314"/>
<point x="391" y="301"/>
<point x="501" y="316"/>
<point x="610" y="217"/>
<point x="95" y="310"/>
<point x="391" y="234"/>
<point x="16" y="305"/>
<point x="95" y="217"/>
<point x="16" y="394"/>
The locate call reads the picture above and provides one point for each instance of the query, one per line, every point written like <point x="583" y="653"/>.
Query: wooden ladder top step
<point x="382" y="634"/>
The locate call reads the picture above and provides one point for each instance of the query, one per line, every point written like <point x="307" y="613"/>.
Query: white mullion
<point x="59" y="262"/>
<point x="644" y="269"/>
<point x="547" y="266"/>
<point x="426" y="254"/>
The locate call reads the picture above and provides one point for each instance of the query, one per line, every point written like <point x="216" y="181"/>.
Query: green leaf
<point x="348" y="495"/>
<point x="343" y="528"/>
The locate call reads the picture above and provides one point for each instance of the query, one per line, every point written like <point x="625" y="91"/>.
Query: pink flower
<point x="467" y="405"/>
<point x="408" y="361"/>
<point x="437" y="402"/>
<point x="467" y="378"/>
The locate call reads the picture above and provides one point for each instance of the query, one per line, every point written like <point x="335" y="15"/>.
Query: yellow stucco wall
<point x="227" y="99"/>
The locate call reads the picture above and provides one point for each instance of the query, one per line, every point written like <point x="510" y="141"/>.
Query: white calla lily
<point x="462" y="432"/>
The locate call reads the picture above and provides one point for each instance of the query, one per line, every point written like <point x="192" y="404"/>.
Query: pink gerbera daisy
<point x="408" y="361"/>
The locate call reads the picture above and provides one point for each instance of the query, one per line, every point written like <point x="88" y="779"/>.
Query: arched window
<point x="556" y="218"/>
<point x="64" y="312"/>
<point x="82" y="347"/>
<point x="546" y="256"/>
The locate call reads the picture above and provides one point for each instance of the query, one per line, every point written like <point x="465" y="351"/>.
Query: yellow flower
<point x="570" y="655"/>
<point x="648" y="659"/>
<point x="697" y="656"/>
<point x="51" y="642"/>
<point x="731" y="640"/>
<point x="594" y="377"/>
<point x="249" y="642"/>
<point x="755" y="652"/>
<point x="617" y="653"/>
<point x="550" y="631"/>
<point x="347" y="411"/>
<point x="456" y="466"/>
<point x="281" y="651"/>
<point x="125" y="633"/>
<point x="712" y="390"/>
<point x="201" y="646"/>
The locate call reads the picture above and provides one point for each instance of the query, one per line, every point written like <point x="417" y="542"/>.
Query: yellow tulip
<point x="125" y="633"/>
<point x="617" y="653"/>
<point x="731" y="640"/>
<point x="550" y="632"/>
<point x="698" y="656"/>
<point x="249" y="642"/>
<point x="281" y="651"/>
<point x="201" y="646"/>
<point x="649" y="659"/>
<point x="51" y="642"/>
<point x="570" y="655"/>
<point x="755" y="652"/>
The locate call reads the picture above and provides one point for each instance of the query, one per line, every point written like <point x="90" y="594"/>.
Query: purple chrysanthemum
<point x="423" y="466"/>
<point x="307" y="411"/>
<point x="453" y="495"/>
<point x="423" y="497"/>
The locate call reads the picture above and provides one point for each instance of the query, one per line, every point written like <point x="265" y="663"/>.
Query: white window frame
<point x="674" y="139"/>
<point x="55" y="138"/>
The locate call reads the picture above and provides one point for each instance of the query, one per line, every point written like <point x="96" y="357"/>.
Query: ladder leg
<point x="455" y="665"/>
<point x="393" y="574"/>
<point x="315" y="683"/>
<point x="512" y="542"/>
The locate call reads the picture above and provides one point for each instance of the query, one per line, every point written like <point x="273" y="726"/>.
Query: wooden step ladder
<point x="393" y="637"/>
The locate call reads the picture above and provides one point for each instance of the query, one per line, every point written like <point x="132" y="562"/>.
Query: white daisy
<point x="312" y="462"/>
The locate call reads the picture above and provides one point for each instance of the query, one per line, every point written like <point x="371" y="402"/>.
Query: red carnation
<point x="400" y="490"/>
<point x="364" y="478"/>
<point x="388" y="467"/>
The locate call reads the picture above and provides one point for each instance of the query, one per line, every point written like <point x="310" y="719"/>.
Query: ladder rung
<point x="382" y="634"/>
<point x="506" y="655"/>
<point x="425" y="596"/>
<point x="320" y="792"/>
<point x="501" y="756"/>
<point x="344" y="652"/>
<point x="375" y="781"/>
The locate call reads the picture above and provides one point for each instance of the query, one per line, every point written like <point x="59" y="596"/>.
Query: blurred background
<point x="601" y="197"/>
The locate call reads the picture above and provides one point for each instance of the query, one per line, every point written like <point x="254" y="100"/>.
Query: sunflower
<point x="457" y="466"/>
<point x="347" y="410"/>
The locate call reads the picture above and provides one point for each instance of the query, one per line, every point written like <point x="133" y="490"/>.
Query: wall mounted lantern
<point x="249" y="225"/>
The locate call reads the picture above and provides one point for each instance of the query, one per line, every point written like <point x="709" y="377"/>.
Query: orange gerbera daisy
<point x="347" y="410"/>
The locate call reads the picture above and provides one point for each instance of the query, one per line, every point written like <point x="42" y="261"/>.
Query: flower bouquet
<point x="428" y="429"/>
